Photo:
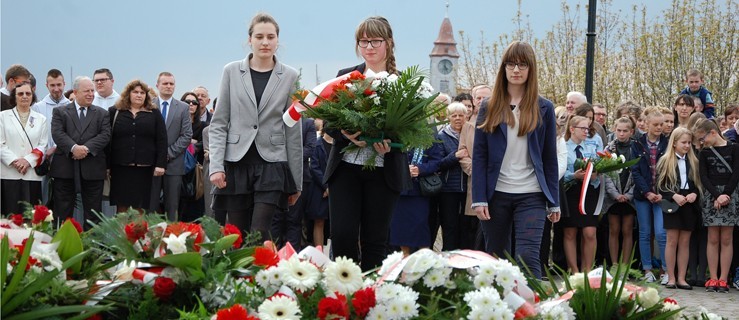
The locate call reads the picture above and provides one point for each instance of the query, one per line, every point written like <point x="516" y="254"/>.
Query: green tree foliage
<point x="636" y="57"/>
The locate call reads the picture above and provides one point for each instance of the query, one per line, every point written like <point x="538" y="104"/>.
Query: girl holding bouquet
<point x="719" y="172"/>
<point x="256" y="160"/>
<point x="578" y="147"/>
<point x="361" y="202"/>
<point x="678" y="182"/>
<point x="514" y="167"/>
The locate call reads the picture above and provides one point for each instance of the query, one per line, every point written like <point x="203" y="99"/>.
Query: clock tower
<point x="444" y="56"/>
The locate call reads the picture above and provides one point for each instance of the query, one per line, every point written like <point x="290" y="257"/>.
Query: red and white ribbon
<point x="584" y="191"/>
<point x="314" y="97"/>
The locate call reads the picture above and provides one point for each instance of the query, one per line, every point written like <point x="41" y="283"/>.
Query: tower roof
<point x="445" y="45"/>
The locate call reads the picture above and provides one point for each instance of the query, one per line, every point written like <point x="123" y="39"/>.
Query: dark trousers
<point x="528" y="212"/>
<point x="287" y="225"/>
<point x="546" y="245"/>
<point x="170" y="187"/>
<point x="65" y="197"/>
<point x="698" y="261"/>
<point x="451" y="211"/>
<point x="361" y="206"/>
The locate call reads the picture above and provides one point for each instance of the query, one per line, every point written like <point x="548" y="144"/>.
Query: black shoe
<point x="711" y="285"/>
<point x="670" y="286"/>
<point x="722" y="287"/>
<point x="684" y="286"/>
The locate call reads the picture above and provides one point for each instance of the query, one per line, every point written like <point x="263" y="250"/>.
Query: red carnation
<point x="75" y="224"/>
<point x="363" y="301"/>
<point x="40" y="213"/>
<point x="265" y="257"/>
<point x="232" y="229"/>
<point x="670" y="300"/>
<point x="136" y="230"/>
<point x="333" y="308"/>
<point x="236" y="312"/>
<point x="17" y="219"/>
<point x="163" y="288"/>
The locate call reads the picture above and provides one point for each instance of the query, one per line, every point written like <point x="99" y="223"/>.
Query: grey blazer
<point x="179" y="132"/>
<point x="238" y="122"/>
<point x="94" y="133"/>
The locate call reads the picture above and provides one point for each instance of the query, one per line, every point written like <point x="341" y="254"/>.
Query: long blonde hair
<point x="667" y="179"/>
<point x="499" y="110"/>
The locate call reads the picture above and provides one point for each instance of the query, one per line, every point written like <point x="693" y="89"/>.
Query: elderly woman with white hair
<point x="454" y="181"/>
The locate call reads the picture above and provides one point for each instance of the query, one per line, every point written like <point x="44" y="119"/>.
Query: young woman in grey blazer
<point x="255" y="159"/>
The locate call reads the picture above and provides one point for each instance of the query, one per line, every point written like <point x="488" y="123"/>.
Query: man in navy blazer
<point x="179" y="132"/>
<point x="79" y="163"/>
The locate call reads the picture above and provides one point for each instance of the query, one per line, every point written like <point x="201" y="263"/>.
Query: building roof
<point x="445" y="45"/>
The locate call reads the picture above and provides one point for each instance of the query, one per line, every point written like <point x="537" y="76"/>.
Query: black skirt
<point x="621" y="209"/>
<point x="254" y="180"/>
<point x="685" y="218"/>
<point x="574" y="219"/>
<point x="130" y="186"/>
<point x="19" y="190"/>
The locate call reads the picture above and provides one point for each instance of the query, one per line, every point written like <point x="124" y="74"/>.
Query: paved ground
<point x="723" y="304"/>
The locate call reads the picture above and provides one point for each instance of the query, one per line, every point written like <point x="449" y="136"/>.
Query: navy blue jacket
<point x="640" y="172"/>
<point x="455" y="180"/>
<point x="318" y="162"/>
<point x="489" y="149"/>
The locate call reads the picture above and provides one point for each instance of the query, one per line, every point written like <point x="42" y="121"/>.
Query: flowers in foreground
<point x="136" y="230"/>
<point x="299" y="275"/>
<point x="236" y="312"/>
<point x="265" y="257"/>
<point x="333" y="308"/>
<point x="41" y="214"/>
<point x="279" y="307"/>
<point x="163" y="288"/>
<point x="177" y="244"/>
<point x="343" y="276"/>
<point x="17" y="219"/>
<point x="232" y="229"/>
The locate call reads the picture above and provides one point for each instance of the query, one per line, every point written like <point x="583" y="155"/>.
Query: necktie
<point x="578" y="153"/>
<point x="82" y="114"/>
<point x="164" y="110"/>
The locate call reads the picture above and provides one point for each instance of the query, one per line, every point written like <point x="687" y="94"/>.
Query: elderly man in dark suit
<point x="81" y="132"/>
<point x="179" y="131"/>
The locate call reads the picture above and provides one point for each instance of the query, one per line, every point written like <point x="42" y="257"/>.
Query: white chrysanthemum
<point x="421" y="262"/>
<point x="577" y="280"/>
<point x="262" y="278"/>
<point x="483" y="298"/>
<point x="279" y="308"/>
<point x="390" y="262"/>
<point x="177" y="244"/>
<point x="392" y="291"/>
<point x="408" y="308"/>
<point x="343" y="276"/>
<point x="560" y="311"/>
<point x="649" y="297"/>
<point x="299" y="275"/>
<point x="437" y="277"/>
<point x="377" y="312"/>
<point x="669" y="306"/>
<point x="506" y="279"/>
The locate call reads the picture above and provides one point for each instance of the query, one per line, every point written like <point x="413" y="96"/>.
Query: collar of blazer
<point x="14" y="118"/>
<point x="272" y="84"/>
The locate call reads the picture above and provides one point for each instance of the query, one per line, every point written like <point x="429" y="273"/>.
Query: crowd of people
<point x="506" y="159"/>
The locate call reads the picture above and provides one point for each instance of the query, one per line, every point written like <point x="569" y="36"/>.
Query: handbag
<point x="192" y="183"/>
<point x="430" y="185"/>
<point x="668" y="206"/>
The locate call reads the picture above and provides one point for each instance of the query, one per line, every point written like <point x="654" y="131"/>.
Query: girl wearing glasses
<point x="719" y="172"/>
<point x="256" y="161"/>
<point x="361" y="201"/>
<point x="577" y="134"/>
<point x="514" y="167"/>
<point x="23" y="138"/>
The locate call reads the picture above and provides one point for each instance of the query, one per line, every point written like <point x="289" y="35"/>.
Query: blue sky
<point x="194" y="39"/>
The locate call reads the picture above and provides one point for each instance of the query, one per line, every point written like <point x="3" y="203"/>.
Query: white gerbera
<point x="299" y="275"/>
<point x="279" y="308"/>
<point x="343" y="276"/>
<point x="263" y="278"/>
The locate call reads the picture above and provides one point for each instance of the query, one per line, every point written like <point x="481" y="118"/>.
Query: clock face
<point x="445" y="66"/>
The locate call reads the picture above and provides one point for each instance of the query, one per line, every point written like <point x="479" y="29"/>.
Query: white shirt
<point x="517" y="170"/>
<point x="105" y="102"/>
<point x="683" y="171"/>
<point x="169" y="106"/>
<point x="46" y="107"/>
<point x="5" y="91"/>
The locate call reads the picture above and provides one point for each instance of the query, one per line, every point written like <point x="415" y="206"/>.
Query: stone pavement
<point x="723" y="304"/>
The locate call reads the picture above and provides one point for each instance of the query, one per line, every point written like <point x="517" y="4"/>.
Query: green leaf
<point x="191" y="262"/>
<point x="57" y="311"/>
<point x="18" y="272"/>
<point x="70" y="244"/>
<point x="226" y="242"/>
<point x="4" y="260"/>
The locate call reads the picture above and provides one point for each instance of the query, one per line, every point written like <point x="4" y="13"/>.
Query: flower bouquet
<point x="606" y="162"/>
<point x="380" y="105"/>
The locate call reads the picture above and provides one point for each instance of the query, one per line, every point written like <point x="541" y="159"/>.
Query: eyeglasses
<point x="582" y="128"/>
<point x="703" y="139"/>
<point x="374" y="43"/>
<point x="101" y="80"/>
<point x="195" y="102"/>
<point x="512" y="65"/>
<point x="27" y="94"/>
